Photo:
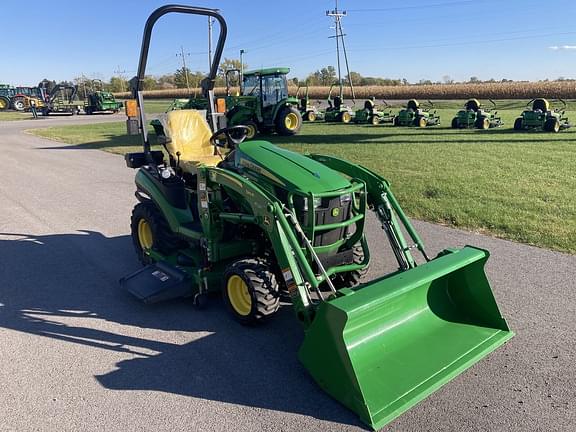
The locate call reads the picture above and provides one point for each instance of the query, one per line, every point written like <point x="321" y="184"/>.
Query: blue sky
<point x="413" y="39"/>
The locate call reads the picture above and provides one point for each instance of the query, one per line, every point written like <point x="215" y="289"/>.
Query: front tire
<point x="352" y="278"/>
<point x="345" y="117"/>
<point x="251" y="291"/>
<point x="288" y="121"/>
<point x="150" y="230"/>
<point x="421" y="122"/>
<point x="311" y="116"/>
<point x="252" y="129"/>
<point x="455" y="123"/>
<point x="552" y="125"/>
<point x="518" y="124"/>
<point x="4" y="103"/>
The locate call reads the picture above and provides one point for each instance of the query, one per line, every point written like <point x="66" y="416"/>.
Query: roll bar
<point x="207" y="83"/>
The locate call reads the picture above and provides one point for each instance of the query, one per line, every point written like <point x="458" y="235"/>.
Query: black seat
<point x="472" y="105"/>
<point x="337" y="102"/>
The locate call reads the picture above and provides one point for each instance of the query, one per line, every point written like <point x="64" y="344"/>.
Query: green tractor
<point x="541" y="117"/>
<point x="414" y="115"/>
<point x="337" y="111"/>
<point x="473" y="116"/>
<point x="62" y="100"/>
<point x="263" y="104"/>
<point x="100" y="101"/>
<point x="370" y="114"/>
<point x="7" y="92"/>
<point x="308" y="111"/>
<point x="256" y="222"/>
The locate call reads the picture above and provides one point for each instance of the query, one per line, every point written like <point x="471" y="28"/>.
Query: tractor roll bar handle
<point x="161" y="11"/>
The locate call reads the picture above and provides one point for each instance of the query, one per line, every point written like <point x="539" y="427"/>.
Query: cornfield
<point x="506" y="90"/>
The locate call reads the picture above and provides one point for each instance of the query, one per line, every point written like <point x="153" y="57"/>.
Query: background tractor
<point x="263" y="104"/>
<point x="23" y="95"/>
<point x="7" y="92"/>
<point x="337" y="111"/>
<point x="372" y="115"/>
<point x="252" y="220"/>
<point x="62" y="100"/>
<point x="540" y="116"/>
<point x="414" y="115"/>
<point x="473" y="116"/>
<point x="308" y="111"/>
<point x="100" y="101"/>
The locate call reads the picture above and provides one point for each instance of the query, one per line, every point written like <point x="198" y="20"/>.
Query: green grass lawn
<point x="14" y="115"/>
<point x="518" y="186"/>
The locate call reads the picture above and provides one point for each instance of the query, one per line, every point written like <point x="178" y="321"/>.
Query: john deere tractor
<point x="473" y="116"/>
<point x="7" y="92"/>
<point x="308" y="111"/>
<point x="337" y="111"/>
<point x="372" y="115"/>
<point x="100" y="101"/>
<point x="252" y="221"/>
<point x="540" y="116"/>
<point x="414" y="115"/>
<point x="263" y="104"/>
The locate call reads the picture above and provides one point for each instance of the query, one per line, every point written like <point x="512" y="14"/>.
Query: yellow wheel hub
<point x="238" y="295"/>
<point x="145" y="237"/>
<point x="291" y="121"/>
<point x="2" y="104"/>
<point x="251" y="132"/>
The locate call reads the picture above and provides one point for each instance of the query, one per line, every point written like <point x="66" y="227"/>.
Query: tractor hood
<point x="287" y="169"/>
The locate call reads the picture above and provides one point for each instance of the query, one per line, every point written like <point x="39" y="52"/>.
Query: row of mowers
<point x="62" y="99"/>
<point x="537" y="115"/>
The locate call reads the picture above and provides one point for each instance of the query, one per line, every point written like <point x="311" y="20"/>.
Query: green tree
<point x="117" y="84"/>
<point x="149" y="83"/>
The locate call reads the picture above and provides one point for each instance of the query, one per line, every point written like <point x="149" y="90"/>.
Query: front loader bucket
<point x="387" y="345"/>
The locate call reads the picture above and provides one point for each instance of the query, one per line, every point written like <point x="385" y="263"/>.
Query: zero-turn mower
<point x="540" y="116"/>
<point x="337" y="111"/>
<point x="473" y="116"/>
<point x="372" y="114"/>
<point x="414" y="115"/>
<point x="252" y="220"/>
<point x="308" y="111"/>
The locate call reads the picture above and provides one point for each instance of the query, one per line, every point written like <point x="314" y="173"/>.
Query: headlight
<point x="345" y="199"/>
<point x="317" y="203"/>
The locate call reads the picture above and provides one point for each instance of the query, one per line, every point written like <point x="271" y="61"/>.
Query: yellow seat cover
<point x="190" y="139"/>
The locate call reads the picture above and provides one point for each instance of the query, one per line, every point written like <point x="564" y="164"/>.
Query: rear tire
<point x="19" y="104"/>
<point x="288" y="121"/>
<point x="396" y="121"/>
<point x="455" y="123"/>
<point x="352" y="278"/>
<point x="518" y="124"/>
<point x="150" y="230"/>
<point x="483" y="123"/>
<point x="250" y="290"/>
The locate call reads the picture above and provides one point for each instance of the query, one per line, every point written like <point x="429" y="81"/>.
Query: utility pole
<point x="120" y="73"/>
<point x="339" y="35"/>
<point x="210" y="22"/>
<point x="242" y="52"/>
<point x="184" y="68"/>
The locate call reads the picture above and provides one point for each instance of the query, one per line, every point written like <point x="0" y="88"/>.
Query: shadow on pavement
<point x="65" y="287"/>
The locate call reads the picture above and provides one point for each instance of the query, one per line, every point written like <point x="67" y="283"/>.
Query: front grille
<point x="323" y="215"/>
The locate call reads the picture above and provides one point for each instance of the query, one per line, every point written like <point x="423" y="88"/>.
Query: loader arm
<point x="383" y="202"/>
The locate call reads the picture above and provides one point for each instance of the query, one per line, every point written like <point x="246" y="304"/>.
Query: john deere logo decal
<point x="335" y="212"/>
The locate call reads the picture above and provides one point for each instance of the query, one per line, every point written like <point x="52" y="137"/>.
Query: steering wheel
<point x="233" y="136"/>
